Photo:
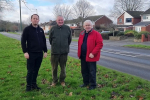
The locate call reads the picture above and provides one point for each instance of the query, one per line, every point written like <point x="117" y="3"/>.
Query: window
<point x="128" y="19"/>
<point x="120" y="20"/>
<point x="144" y="17"/>
<point x="138" y="29"/>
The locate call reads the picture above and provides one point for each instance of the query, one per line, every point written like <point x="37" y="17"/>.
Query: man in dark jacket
<point x="60" y="38"/>
<point x="33" y="44"/>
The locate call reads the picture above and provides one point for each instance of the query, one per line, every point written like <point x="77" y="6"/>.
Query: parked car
<point x="105" y="32"/>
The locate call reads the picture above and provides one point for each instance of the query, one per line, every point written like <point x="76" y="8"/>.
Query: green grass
<point x="14" y="33"/>
<point x="74" y="39"/>
<point x="138" y="46"/>
<point x="111" y="84"/>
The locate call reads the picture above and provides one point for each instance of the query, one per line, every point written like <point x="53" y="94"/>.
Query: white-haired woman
<point x="90" y="44"/>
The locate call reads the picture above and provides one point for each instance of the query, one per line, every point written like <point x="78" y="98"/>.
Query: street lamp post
<point x="20" y="16"/>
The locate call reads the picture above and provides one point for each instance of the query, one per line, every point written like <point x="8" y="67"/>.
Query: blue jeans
<point x="88" y="70"/>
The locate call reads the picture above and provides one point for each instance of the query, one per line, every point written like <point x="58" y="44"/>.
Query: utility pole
<point x="20" y="16"/>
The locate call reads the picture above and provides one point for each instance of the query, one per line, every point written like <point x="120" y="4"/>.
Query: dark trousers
<point x="33" y="65"/>
<point x="88" y="70"/>
<point x="60" y="59"/>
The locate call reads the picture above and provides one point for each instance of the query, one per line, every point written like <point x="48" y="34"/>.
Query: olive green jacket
<point x="60" y="39"/>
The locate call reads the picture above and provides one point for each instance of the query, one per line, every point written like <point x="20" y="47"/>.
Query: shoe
<point x="83" y="85"/>
<point x="91" y="88"/>
<point x="35" y="87"/>
<point x="63" y="84"/>
<point x="28" y="88"/>
<point x="53" y="84"/>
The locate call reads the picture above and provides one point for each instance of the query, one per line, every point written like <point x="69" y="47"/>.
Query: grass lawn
<point x="138" y="46"/>
<point x="110" y="84"/>
<point x="14" y="33"/>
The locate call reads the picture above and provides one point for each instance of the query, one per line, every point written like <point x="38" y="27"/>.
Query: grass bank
<point x="110" y="84"/>
<point x="140" y="46"/>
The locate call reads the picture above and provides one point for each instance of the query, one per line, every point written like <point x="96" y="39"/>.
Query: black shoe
<point x="83" y="85"/>
<point x="91" y="88"/>
<point x="28" y="88"/>
<point x="35" y="87"/>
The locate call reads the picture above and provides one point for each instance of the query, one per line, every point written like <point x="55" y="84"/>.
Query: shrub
<point x="145" y="33"/>
<point x="111" y="33"/>
<point x="137" y="35"/>
<point x="130" y="33"/>
<point x="105" y="36"/>
<point x="120" y="34"/>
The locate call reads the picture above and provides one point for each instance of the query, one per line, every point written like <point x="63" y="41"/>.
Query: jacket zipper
<point x="38" y="36"/>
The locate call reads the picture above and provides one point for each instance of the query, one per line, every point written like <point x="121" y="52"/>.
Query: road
<point x="115" y="56"/>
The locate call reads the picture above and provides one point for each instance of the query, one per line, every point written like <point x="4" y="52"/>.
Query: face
<point x="35" y="20"/>
<point x="60" y="21"/>
<point x="87" y="27"/>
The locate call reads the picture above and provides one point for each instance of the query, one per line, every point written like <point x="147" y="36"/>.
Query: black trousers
<point x="33" y="65"/>
<point x="88" y="70"/>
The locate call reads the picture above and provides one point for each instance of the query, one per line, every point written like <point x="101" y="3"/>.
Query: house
<point x="144" y="25"/>
<point x="99" y="20"/>
<point x="47" y="25"/>
<point x="129" y="18"/>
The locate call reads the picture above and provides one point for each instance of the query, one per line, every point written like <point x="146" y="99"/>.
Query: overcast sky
<point x="45" y="9"/>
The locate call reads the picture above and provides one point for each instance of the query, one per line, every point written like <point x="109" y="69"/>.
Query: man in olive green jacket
<point x="60" y="38"/>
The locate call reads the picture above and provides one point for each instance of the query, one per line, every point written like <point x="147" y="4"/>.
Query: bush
<point x="130" y="33"/>
<point x="111" y="33"/>
<point x="137" y="35"/>
<point x="145" y="33"/>
<point x="120" y="34"/>
<point x="105" y="36"/>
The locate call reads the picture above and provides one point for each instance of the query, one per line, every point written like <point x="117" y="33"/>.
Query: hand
<point x="91" y="55"/>
<point x="45" y="55"/>
<point x="26" y="55"/>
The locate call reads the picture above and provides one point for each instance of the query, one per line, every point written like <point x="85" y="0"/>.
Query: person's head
<point x="35" y="20"/>
<point x="88" y="25"/>
<point x="60" y="20"/>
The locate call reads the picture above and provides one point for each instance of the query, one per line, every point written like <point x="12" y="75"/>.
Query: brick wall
<point x="136" y="20"/>
<point x="103" y="21"/>
<point x="148" y="28"/>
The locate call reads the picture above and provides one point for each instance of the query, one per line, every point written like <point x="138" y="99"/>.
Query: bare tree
<point x="63" y="10"/>
<point x="6" y="4"/>
<point x="126" y="5"/>
<point x="82" y="8"/>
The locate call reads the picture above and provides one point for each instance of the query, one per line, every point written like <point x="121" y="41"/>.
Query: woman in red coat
<point x="90" y="44"/>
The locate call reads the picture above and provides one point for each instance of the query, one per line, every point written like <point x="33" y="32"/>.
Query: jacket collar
<point x="84" y="32"/>
<point x="59" y="26"/>
<point x="34" y="27"/>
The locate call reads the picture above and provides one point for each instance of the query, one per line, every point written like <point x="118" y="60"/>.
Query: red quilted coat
<point x="94" y="45"/>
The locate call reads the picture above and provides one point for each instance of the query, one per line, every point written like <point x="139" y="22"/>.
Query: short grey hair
<point x="59" y="16"/>
<point x="88" y="21"/>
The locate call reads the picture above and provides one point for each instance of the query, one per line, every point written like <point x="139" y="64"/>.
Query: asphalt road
<point x="115" y="56"/>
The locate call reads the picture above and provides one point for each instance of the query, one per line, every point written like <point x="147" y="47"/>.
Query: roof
<point x="135" y="14"/>
<point x="53" y="23"/>
<point x="48" y="23"/>
<point x="146" y="12"/>
<point x="142" y="23"/>
<point x="123" y="25"/>
<point x="92" y="18"/>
